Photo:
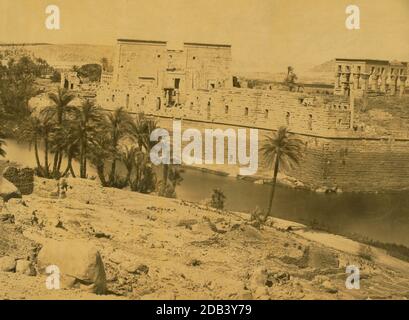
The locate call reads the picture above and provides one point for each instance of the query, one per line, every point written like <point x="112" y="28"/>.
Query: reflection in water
<point x="383" y="217"/>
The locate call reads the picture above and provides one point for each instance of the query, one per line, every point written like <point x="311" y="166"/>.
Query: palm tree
<point x="145" y="177"/>
<point x="35" y="129"/>
<point x="283" y="150"/>
<point x="32" y="133"/>
<point x="100" y="150"/>
<point x="66" y="140"/>
<point x="88" y="121"/>
<point x="57" y="112"/>
<point x="61" y="101"/>
<point x="119" y="123"/>
<point x="46" y="128"/>
<point x="129" y="159"/>
<point x="175" y="175"/>
<point x="71" y="151"/>
<point x="140" y="131"/>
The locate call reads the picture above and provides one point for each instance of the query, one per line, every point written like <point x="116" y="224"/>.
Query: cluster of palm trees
<point x="109" y="141"/>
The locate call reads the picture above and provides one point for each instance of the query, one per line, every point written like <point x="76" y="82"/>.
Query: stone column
<point x="342" y="83"/>
<point x="374" y="84"/>
<point x="384" y="77"/>
<point x="365" y="78"/>
<point x="166" y="97"/>
<point x="337" y="80"/>
<point x="356" y="81"/>
<point x="352" y="107"/>
<point x="394" y="79"/>
<point x="402" y="85"/>
<point x="346" y="83"/>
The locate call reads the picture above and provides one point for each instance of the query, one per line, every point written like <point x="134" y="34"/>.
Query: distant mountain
<point x="306" y="77"/>
<point x="324" y="67"/>
<point x="267" y="76"/>
<point x="323" y="74"/>
<point x="69" y="54"/>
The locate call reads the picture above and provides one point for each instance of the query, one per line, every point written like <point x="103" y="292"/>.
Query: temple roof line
<point x="165" y="42"/>
<point x="371" y="61"/>
<point x="142" y="41"/>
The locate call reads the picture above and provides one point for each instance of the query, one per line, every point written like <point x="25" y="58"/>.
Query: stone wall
<point x="349" y="164"/>
<point x="356" y="164"/>
<point x="301" y="112"/>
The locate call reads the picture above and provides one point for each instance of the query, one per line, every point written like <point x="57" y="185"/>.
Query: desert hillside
<point x="65" y="54"/>
<point x="158" y="248"/>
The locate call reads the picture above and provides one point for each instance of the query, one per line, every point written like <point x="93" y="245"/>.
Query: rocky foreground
<point x="125" y="245"/>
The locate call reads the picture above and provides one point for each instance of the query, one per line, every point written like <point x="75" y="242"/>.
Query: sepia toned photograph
<point x="204" y="150"/>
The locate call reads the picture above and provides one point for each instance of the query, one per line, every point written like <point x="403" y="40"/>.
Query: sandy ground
<point x="192" y="252"/>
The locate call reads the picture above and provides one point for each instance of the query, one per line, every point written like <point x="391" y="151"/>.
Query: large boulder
<point x="8" y="190"/>
<point x="259" y="277"/>
<point x="7" y="264"/>
<point x="25" y="267"/>
<point x="79" y="263"/>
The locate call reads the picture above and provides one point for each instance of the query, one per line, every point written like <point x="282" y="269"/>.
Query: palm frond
<point x="282" y="146"/>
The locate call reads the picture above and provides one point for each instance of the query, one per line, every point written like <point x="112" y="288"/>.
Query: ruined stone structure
<point x="195" y="84"/>
<point x="370" y="77"/>
<point x="22" y="178"/>
<point x="70" y="80"/>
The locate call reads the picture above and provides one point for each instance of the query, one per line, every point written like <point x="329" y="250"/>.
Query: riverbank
<point x="178" y="242"/>
<point x="263" y="176"/>
<point x="366" y="217"/>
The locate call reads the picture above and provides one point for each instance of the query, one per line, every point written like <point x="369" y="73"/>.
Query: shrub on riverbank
<point x="218" y="199"/>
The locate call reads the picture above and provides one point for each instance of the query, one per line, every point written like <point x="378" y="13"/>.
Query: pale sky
<point x="265" y="34"/>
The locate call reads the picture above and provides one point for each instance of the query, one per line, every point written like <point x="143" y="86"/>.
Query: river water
<point x="383" y="217"/>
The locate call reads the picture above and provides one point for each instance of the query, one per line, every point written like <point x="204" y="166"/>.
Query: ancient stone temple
<point x="70" y="80"/>
<point x="195" y="82"/>
<point x="175" y="71"/>
<point x="344" y="148"/>
<point x="370" y="77"/>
